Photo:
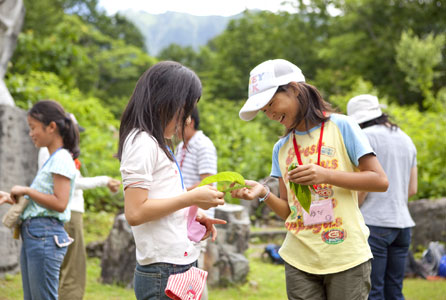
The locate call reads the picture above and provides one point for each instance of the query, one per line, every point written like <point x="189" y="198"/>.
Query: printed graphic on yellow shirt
<point x="332" y="233"/>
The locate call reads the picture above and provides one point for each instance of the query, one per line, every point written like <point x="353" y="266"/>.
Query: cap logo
<point x="258" y="82"/>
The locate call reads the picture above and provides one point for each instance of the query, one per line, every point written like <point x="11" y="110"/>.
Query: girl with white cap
<point x="325" y="251"/>
<point x="386" y="214"/>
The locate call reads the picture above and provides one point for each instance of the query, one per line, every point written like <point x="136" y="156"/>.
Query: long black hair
<point x="311" y="104"/>
<point x="167" y="90"/>
<point x="381" y="120"/>
<point x="47" y="111"/>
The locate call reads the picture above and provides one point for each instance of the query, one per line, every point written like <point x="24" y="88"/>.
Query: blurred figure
<point x="197" y="158"/>
<point x="386" y="214"/>
<point x="74" y="267"/>
<point x="196" y="154"/>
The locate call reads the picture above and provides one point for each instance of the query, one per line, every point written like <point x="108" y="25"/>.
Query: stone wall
<point x="430" y="219"/>
<point x="12" y="13"/>
<point x="18" y="166"/>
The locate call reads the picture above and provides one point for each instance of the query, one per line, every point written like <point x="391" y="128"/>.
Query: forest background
<point x="73" y="52"/>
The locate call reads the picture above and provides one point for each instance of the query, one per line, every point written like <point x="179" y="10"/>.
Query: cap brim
<point x="255" y="103"/>
<point x="80" y="128"/>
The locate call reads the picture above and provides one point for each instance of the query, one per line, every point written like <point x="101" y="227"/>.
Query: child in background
<point x="45" y="241"/>
<point x="386" y="214"/>
<point x="328" y="257"/>
<point x="156" y="200"/>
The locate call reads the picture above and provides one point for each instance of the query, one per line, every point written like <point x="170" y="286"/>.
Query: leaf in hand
<point x="301" y="191"/>
<point x="224" y="176"/>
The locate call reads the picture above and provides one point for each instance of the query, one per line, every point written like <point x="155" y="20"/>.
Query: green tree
<point x="362" y="39"/>
<point x="257" y="37"/>
<point x="82" y="57"/>
<point x="418" y="58"/>
<point x="198" y="61"/>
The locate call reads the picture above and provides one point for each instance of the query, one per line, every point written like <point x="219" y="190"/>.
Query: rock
<point x="95" y="249"/>
<point x="118" y="258"/>
<point x="224" y="259"/>
<point x="18" y="166"/>
<point x="12" y="13"/>
<point x="430" y="219"/>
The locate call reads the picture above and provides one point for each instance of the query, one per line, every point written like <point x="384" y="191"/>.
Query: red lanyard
<point x="319" y="146"/>
<point x="183" y="155"/>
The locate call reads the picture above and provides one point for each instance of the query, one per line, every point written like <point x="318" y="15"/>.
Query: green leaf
<point x="304" y="197"/>
<point x="302" y="192"/>
<point x="223" y="176"/>
<point x="236" y="187"/>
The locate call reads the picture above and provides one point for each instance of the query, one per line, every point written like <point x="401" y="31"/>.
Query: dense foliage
<point x="72" y="52"/>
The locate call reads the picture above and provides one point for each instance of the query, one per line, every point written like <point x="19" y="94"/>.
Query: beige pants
<point x="74" y="267"/>
<point x="351" y="284"/>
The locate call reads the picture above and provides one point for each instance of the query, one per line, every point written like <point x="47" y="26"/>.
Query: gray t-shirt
<point x="397" y="155"/>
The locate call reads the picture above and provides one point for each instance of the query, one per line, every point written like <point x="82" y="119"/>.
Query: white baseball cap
<point x="264" y="81"/>
<point x="363" y="108"/>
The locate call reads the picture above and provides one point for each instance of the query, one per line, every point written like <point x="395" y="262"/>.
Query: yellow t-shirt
<point x="342" y="243"/>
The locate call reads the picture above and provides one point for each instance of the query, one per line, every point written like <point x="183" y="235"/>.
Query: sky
<point x="195" y="7"/>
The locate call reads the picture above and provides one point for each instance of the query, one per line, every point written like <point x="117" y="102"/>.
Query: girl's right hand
<point x="207" y="196"/>
<point x="5" y="198"/>
<point x="257" y="190"/>
<point x="17" y="191"/>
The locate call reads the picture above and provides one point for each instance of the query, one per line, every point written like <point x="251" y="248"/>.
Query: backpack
<point x="442" y="266"/>
<point x="272" y="251"/>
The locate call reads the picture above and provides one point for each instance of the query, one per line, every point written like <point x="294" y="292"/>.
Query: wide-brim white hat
<point x="264" y="80"/>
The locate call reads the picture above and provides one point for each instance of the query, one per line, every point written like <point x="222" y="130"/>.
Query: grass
<point x="265" y="280"/>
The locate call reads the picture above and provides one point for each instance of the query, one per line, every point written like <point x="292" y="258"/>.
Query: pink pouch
<point x="186" y="286"/>
<point x="195" y="231"/>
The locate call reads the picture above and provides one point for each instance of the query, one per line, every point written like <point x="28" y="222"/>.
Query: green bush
<point x="244" y="147"/>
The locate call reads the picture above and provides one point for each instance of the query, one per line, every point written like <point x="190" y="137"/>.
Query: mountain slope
<point x="172" y="27"/>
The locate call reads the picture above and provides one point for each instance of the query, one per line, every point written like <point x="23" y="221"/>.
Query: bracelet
<point x="261" y="199"/>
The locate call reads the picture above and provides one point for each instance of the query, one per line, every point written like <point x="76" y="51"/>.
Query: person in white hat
<point x="386" y="214"/>
<point x="326" y="252"/>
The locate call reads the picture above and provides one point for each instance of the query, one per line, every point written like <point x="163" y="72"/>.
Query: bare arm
<point x="413" y="183"/>
<point x="361" y="197"/>
<point x="57" y="201"/>
<point x="371" y="177"/>
<point x="278" y="204"/>
<point x="139" y="208"/>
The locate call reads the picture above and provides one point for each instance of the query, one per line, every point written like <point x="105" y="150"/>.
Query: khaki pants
<point x="351" y="284"/>
<point x="201" y="265"/>
<point x="74" y="269"/>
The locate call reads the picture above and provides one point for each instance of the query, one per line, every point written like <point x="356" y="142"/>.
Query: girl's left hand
<point x="17" y="191"/>
<point x="5" y="198"/>
<point x="209" y="224"/>
<point x="308" y="174"/>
